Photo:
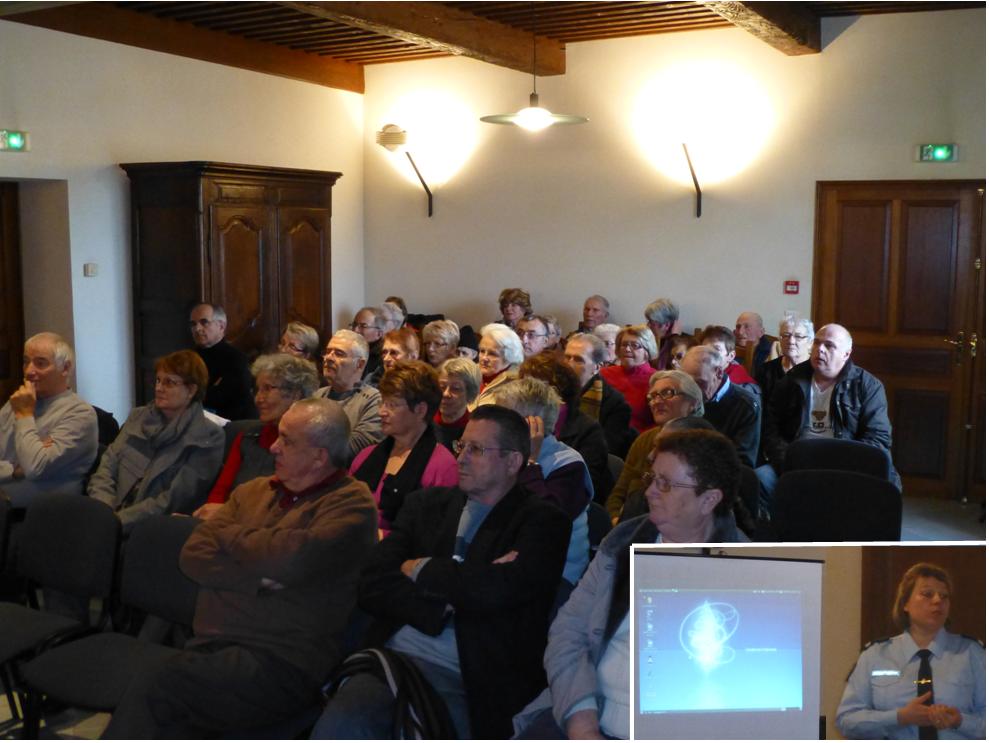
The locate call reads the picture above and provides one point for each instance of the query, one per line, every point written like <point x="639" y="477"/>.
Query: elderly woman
<point x="300" y="340"/>
<point x="555" y="471"/>
<point x="514" y="304"/>
<point x="460" y="381"/>
<point x="924" y="683"/>
<point x="672" y="394"/>
<point x="636" y="348"/>
<point x="409" y="458"/>
<point x="691" y="480"/>
<point x="167" y="454"/>
<point x="608" y="333"/>
<point x="796" y="338"/>
<point x="279" y="380"/>
<point x="394" y="315"/>
<point x="439" y="340"/>
<point x="399" y="345"/>
<point x="499" y="355"/>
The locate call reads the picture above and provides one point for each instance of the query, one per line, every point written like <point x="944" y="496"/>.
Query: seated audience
<point x="499" y="355"/>
<point x="662" y="317"/>
<point x="732" y="410"/>
<point x="636" y="348"/>
<point x="597" y="310"/>
<point x="796" y="337"/>
<point x="585" y="354"/>
<point x="400" y="303"/>
<point x="926" y="683"/>
<point x="555" y="334"/>
<point x="300" y="340"/>
<point x="369" y="323"/>
<point x="167" y="454"/>
<point x="462" y="587"/>
<point x="723" y="341"/>
<point x="440" y="339"/>
<point x="691" y="483"/>
<point x="460" y="382"/>
<point x="827" y="396"/>
<point x="343" y="365"/>
<point x="514" y="305"/>
<point x="680" y="343"/>
<point x="749" y="330"/>
<point x="394" y="316"/>
<point x="534" y="333"/>
<point x="279" y="381"/>
<point x="555" y="471"/>
<point x="608" y="335"/>
<point x="399" y="345"/>
<point x="672" y="394"/>
<point x="277" y="569"/>
<point x="467" y="344"/>
<point x="228" y="393"/>
<point x="48" y="434"/>
<point x="409" y="458"/>
<point x="573" y="428"/>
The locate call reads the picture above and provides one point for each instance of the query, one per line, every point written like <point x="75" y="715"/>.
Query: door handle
<point x="959" y="344"/>
<point x="973" y="343"/>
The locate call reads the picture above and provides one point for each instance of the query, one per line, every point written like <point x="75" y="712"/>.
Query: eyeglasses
<point x="788" y="336"/>
<point x="289" y="347"/>
<point x="394" y="404"/>
<point x="437" y="344"/>
<point x="632" y="346"/>
<point x="267" y="389"/>
<point x="665" y="394"/>
<point x="202" y="322"/>
<point x="363" y="326"/>
<point x="461" y="447"/>
<point x="664" y="484"/>
<point x="530" y="334"/>
<point x="168" y="382"/>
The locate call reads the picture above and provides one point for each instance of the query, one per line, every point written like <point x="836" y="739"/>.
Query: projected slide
<point x="719" y="650"/>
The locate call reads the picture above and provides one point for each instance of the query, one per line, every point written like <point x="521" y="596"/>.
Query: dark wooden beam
<point x="440" y="27"/>
<point x="110" y="23"/>
<point x="790" y="27"/>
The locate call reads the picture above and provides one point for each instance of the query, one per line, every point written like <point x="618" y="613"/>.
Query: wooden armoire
<point x="255" y="240"/>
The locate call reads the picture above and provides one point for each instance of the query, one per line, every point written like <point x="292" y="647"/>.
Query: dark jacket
<point x="230" y="390"/>
<point x="762" y="350"/>
<point x="587" y="438"/>
<point x="858" y="411"/>
<point x="501" y="611"/>
<point x="738" y="416"/>
<point x="615" y="418"/>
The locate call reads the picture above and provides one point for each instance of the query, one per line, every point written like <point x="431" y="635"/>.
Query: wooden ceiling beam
<point x="109" y="23"/>
<point x="446" y="29"/>
<point x="790" y="27"/>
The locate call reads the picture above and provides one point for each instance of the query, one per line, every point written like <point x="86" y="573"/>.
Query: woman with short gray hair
<point x="636" y="348"/>
<point x="439" y="341"/>
<point x="300" y="340"/>
<point x="796" y="338"/>
<point x="499" y="355"/>
<point x="460" y="382"/>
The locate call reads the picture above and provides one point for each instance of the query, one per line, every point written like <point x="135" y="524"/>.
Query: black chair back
<point x="837" y="454"/>
<point x="4" y="529"/>
<point x="151" y="579"/>
<point x="598" y="524"/>
<point x="836" y="506"/>
<point x="107" y="426"/>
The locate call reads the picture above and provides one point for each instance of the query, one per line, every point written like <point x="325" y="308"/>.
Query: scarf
<point x="408" y="478"/>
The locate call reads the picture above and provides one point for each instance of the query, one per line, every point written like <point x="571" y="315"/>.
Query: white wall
<point x="577" y="210"/>
<point x="90" y="105"/>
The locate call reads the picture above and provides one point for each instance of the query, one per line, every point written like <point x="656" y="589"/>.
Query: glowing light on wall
<point x="442" y="135"/>
<point x="723" y="115"/>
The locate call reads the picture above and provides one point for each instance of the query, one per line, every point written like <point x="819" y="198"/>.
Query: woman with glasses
<point x="499" y="354"/>
<point x="399" y="345"/>
<point x="460" y="381"/>
<point x="439" y="340"/>
<point x="167" y="453"/>
<point x="672" y="394"/>
<point x="410" y="458"/>
<point x="302" y="341"/>
<point x="636" y="347"/>
<point x="925" y="683"/>
<point x="796" y="338"/>
<point x="608" y="334"/>
<point x="279" y="380"/>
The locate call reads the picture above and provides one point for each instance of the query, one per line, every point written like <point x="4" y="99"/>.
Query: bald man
<point x="827" y="396"/>
<point x="749" y="329"/>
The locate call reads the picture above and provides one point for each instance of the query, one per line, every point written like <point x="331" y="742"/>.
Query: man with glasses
<point x="344" y="362"/>
<point x="535" y="334"/>
<point x="585" y="353"/>
<point x="230" y="391"/>
<point x="370" y="323"/>
<point x="463" y="586"/>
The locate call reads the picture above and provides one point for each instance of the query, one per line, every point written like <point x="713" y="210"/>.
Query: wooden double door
<point x="901" y="265"/>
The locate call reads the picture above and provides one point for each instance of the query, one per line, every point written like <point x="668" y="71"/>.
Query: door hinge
<point x="978" y="264"/>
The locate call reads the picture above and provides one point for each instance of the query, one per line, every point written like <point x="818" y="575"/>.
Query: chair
<point x="107" y="427"/>
<point x="615" y="466"/>
<point x="4" y="528"/>
<point x="837" y="454"/>
<point x="94" y="672"/>
<point x="836" y="506"/>
<point x="598" y="525"/>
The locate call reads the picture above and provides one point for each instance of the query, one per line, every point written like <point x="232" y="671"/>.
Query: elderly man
<point x="585" y="354"/>
<point x="661" y="317"/>
<point x="731" y="409"/>
<point x="48" y="434"/>
<point x="370" y="323"/>
<point x="230" y="392"/>
<point x="749" y="330"/>
<point x="535" y="334"/>
<point x="827" y="396"/>
<point x="277" y="568"/>
<point x="343" y="365"/>
<point x="597" y="310"/>
<point x="723" y="341"/>
<point x="463" y="587"/>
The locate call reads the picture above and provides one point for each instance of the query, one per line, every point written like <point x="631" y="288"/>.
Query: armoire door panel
<point x="860" y="299"/>
<point x="930" y="245"/>
<point x="304" y="266"/>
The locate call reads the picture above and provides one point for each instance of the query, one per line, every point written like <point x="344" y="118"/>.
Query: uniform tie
<point x="925" y="683"/>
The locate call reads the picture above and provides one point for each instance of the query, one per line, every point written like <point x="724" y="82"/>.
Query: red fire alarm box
<point x="791" y="287"/>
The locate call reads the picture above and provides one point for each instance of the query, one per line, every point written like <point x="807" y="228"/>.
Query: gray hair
<point x="552" y="326"/>
<point x="709" y="356"/>
<point x="685" y="383"/>
<point x="305" y="333"/>
<point x="598" y="350"/>
<point x="379" y="316"/>
<point x="803" y="323"/>
<point x="467" y="372"/>
<point x="393" y="314"/>
<point x="530" y="396"/>
<point x="662" y="311"/>
<point x="642" y="334"/>
<point x="294" y="375"/>
<point x="602" y="300"/>
<point x="218" y="312"/>
<point x="327" y="427"/>
<point x="361" y="349"/>
<point x="606" y="327"/>
<point x="507" y="341"/>
<point x="445" y="331"/>
<point x="62" y="353"/>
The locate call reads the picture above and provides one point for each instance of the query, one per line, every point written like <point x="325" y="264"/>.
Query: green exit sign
<point x="938" y="153"/>
<point x="12" y="140"/>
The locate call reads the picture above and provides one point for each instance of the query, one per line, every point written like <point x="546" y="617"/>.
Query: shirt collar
<point x="723" y="391"/>
<point x="289" y="498"/>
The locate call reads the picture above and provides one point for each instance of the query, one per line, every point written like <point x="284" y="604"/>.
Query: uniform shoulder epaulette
<point x="876" y="642"/>
<point x="981" y="643"/>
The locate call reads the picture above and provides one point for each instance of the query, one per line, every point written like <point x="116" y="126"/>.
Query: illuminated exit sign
<point x="938" y="153"/>
<point x="12" y="140"/>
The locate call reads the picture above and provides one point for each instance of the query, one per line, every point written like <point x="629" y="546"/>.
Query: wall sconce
<point x="393" y="137"/>
<point x="697" y="186"/>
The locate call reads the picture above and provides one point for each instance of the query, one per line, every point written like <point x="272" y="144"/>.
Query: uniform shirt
<point x="884" y="680"/>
